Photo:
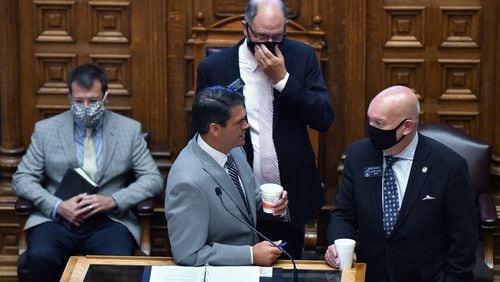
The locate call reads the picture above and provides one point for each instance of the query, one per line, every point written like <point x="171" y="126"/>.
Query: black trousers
<point x="293" y="236"/>
<point x="50" y="244"/>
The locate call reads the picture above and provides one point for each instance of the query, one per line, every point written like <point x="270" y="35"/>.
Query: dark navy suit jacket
<point x="435" y="236"/>
<point x="304" y="102"/>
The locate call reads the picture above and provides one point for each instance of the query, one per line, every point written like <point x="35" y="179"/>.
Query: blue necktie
<point x="233" y="172"/>
<point x="391" y="202"/>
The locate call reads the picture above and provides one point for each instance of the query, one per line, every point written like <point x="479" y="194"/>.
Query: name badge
<point x="237" y="84"/>
<point x="372" y="171"/>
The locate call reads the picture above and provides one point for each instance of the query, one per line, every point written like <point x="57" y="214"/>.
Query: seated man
<point x="406" y="197"/>
<point x="110" y="149"/>
<point x="211" y="183"/>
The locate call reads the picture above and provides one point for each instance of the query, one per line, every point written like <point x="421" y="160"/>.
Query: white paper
<point x="266" y="271"/>
<point x="213" y="273"/>
<point x="233" y="273"/>
<point x="176" y="273"/>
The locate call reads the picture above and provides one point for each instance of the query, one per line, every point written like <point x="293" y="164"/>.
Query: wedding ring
<point x="90" y="207"/>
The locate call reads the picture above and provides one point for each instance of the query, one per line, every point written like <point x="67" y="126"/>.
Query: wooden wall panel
<point x="446" y="50"/>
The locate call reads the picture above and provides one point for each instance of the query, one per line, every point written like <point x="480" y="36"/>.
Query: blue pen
<point x="282" y="244"/>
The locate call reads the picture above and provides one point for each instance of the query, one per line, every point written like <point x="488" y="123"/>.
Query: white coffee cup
<point x="270" y="193"/>
<point x="345" y="252"/>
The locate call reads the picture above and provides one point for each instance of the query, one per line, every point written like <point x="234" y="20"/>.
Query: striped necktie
<point x="269" y="169"/>
<point x="234" y="174"/>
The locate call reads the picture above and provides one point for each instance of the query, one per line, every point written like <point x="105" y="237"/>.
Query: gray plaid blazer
<point x="52" y="151"/>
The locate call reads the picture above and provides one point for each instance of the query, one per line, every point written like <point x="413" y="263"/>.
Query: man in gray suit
<point x="110" y="149"/>
<point x="202" y="199"/>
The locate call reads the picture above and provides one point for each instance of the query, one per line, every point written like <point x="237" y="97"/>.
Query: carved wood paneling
<point x="117" y="67"/>
<point x="460" y="27"/>
<point x="468" y="122"/>
<point x="460" y="79"/>
<point x="404" y="26"/>
<point x="405" y="72"/>
<point x="53" y="71"/>
<point x="55" y="21"/>
<point x="109" y="22"/>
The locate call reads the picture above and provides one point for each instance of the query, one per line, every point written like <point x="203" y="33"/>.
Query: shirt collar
<point x="409" y="152"/>
<point x="81" y="130"/>
<point x="246" y="56"/>
<point x="218" y="156"/>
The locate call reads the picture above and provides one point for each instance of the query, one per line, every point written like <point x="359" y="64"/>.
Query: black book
<point x="75" y="181"/>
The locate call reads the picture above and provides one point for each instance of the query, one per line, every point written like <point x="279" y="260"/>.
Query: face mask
<point x="89" y="116"/>
<point x="384" y="139"/>
<point x="270" y="45"/>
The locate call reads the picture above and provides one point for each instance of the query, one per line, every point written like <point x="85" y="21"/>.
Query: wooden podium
<point x="77" y="266"/>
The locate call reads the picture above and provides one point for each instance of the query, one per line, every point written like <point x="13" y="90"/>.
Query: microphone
<point x="218" y="191"/>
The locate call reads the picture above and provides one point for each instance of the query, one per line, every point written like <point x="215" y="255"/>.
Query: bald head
<point x="393" y="105"/>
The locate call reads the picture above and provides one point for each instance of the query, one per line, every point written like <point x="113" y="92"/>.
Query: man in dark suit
<point x="285" y="94"/>
<point x="406" y="198"/>
<point x="204" y="196"/>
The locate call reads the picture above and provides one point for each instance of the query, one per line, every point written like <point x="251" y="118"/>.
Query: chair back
<point x="476" y="153"/>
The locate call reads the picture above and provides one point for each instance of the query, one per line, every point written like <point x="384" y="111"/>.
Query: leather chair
<point x="144" y="210"/>
<point x="478" y="155"/>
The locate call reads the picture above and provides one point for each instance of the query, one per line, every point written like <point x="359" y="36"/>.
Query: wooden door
<point x="442" y="50"/>
<point x="56" y="36"/>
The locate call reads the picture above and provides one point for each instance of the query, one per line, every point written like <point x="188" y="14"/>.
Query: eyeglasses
<point x="82" y="101"/>
<point x="265" y="37"/>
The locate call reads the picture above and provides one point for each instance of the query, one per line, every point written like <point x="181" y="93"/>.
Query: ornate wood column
<point x="11" y="148"/>
<point x="10" y="144"/>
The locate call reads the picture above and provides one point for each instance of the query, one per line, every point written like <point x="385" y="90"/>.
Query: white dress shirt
<point x="253" y="76"/>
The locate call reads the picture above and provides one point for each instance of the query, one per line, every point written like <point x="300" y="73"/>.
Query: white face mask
<point x="91" y="115"/>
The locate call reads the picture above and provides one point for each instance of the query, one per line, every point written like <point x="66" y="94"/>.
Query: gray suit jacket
<point x="53" y="151"/>
<point x="200" y="229"/>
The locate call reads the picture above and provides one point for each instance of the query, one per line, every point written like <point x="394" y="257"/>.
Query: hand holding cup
<point x="274" y="199"/>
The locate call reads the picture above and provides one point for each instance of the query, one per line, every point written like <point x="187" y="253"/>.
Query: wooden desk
<point x="77" y="266"/>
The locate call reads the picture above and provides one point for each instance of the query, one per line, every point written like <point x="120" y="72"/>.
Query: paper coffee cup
<point x="345" y="252"/>
<point x="270" y="193"/>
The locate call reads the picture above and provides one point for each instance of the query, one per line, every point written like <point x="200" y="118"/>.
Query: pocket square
<point x="428" y="197"/>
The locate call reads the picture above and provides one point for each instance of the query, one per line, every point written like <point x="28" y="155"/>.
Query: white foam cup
<point x="345" y="252"/>
<point x="270" y="193"/>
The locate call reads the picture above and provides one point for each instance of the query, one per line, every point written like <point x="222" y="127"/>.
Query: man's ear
<point x="214" y="129"/>
<point x="409" y="125"/>
<point x="244" y="25"/>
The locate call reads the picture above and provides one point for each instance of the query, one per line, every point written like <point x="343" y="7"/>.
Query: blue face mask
<point x="384" y="139"/>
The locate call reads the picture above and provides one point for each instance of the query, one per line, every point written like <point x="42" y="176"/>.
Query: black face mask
<point x="269" y="45"/>
<point x="384" y="139"/>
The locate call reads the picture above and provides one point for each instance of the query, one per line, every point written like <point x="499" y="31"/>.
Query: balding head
<point x="395" y="103"/>
<point x="396" y="107"/>
<point x="268" y="10"/>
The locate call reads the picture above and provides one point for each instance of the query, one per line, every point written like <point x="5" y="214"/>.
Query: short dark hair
<point x="84" y="75"/>
<point x="252" y="7"/>
<point x="213" y="105"/>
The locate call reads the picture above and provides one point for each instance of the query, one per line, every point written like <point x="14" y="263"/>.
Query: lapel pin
<point x="424" y="169"/>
